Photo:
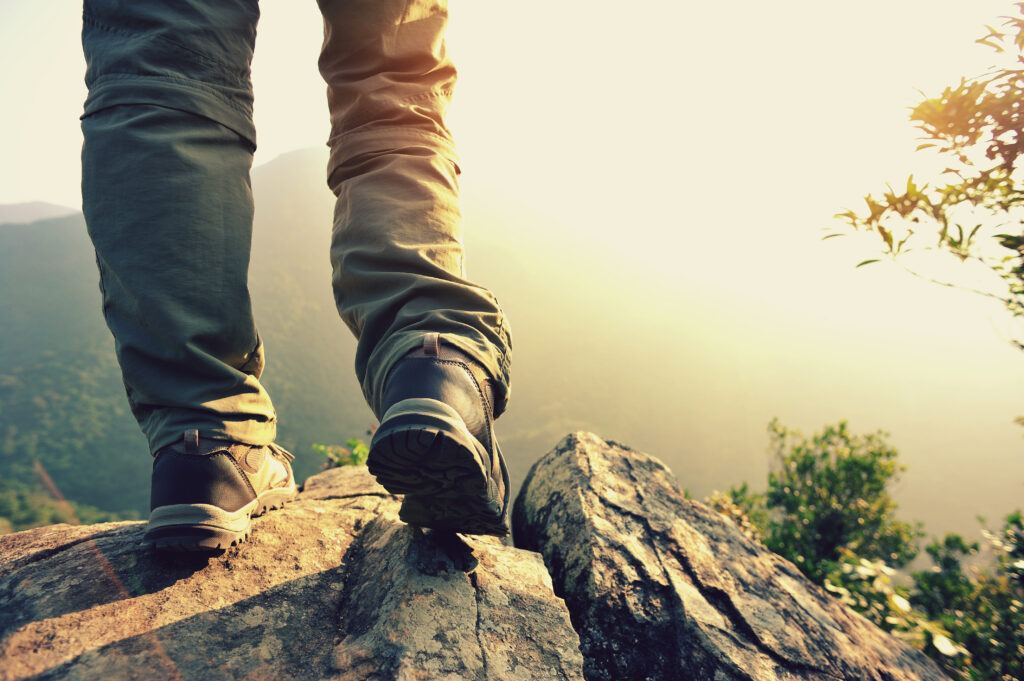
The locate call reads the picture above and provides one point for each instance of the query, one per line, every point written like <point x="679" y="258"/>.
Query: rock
<point x="332" y="587"/>
<point x="336" y="587"/>
<point x="662" y="587"/>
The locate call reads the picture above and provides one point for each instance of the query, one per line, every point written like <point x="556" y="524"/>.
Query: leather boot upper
<point x="229" y="475"/>
<point x="449" y="375"/>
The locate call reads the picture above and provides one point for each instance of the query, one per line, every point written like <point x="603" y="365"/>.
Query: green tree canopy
<point x="828" y="494"/>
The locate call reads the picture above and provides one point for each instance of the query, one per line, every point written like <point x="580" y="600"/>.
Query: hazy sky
<point x="775" y="92"/>
<point x="703" y="148"/>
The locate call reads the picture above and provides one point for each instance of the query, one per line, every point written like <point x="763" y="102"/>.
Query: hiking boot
<point x="436" y="445"/>
<point x="206" y="492"/>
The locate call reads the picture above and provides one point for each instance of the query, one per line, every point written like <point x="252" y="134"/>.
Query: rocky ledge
<point x="336" y="587"/>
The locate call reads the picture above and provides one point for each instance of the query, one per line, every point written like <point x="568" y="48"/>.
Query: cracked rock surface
<point x="332" y="587"/>
<point x="662" y="587"/>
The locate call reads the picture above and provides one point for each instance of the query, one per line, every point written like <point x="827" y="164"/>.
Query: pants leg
<point x="397" y="249"/>
<point x="167" y="199"/>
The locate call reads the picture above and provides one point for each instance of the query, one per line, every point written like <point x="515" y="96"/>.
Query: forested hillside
<point x="61" y="398"/>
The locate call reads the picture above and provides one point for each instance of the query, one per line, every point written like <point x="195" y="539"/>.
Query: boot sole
<point x="209" y="528"/>
<point x="424" y="451"/>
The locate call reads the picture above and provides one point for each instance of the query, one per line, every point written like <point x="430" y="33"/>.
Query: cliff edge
<point x="629" y="581"/>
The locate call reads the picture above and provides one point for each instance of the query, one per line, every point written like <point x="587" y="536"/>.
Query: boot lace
<point x="281" y="453"/>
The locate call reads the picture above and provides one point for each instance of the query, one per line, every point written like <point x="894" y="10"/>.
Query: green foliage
<point x="980" y="605"/>
<point x="828" y="510"/>
<point x="354" y="453"/>
<point x="24" y="506"/>
<point x="743" y="507"/>
<point x="945" y="584"/>
<point x="973" y="211"/>
<point x="828" y="496"/>
<point x="62" y="401"/>
<point x="871" y="587"/>
<point x="56" y="410"/>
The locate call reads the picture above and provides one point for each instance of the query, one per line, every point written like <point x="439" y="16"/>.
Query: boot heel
<point x="423" y="450"/>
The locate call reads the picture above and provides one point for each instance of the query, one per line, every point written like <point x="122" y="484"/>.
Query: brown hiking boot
<point x="205" y="492"/>
<point x="436" y="444"/>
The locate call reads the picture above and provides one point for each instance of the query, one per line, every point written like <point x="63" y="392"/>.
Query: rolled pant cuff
<point x="221" y="104"/>
<point x="494" y="362"/>
<point x="169" y="425"/>
<point x="384" y="140"/>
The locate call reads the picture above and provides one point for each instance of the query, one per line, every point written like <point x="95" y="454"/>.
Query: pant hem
<point x="171" y="431"/>
<point x="191" y="96"/>
<point x="384" y="139"/>
<point x="492" y="360"/>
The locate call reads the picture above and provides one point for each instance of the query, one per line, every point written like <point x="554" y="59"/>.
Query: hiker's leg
<point x="167" y="198"/>
<point x="397" y="246"/>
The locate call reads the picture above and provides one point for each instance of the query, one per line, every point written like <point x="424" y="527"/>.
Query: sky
<point x="699" y="149"/>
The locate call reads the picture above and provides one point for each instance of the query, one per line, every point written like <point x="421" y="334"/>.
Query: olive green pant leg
<point x="168" y="203"/>
<point x="397" y="248"/>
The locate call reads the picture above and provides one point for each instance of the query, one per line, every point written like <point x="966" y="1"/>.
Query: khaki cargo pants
<point x="169" y="142"/>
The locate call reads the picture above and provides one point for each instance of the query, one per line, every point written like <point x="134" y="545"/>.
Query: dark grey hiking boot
<point x="436" y="445"/>
<point x="205" y="492"/>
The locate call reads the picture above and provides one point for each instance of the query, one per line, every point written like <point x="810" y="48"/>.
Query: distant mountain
<point x="21" y="213"/>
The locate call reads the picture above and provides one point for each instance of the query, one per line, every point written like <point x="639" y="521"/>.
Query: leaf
<point x="831" y="236"/>
<point x="945" y="646"/>
<point x="988" y="43"/>
<point x="994" y="32"/>
<point x="912" y="188"/>
<point x="899" y="603"/>
<point x="973" y="232"/>
<point x="886" y="236"/>
<point x="867" y="262"/>
<point x="905" y="239"/>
